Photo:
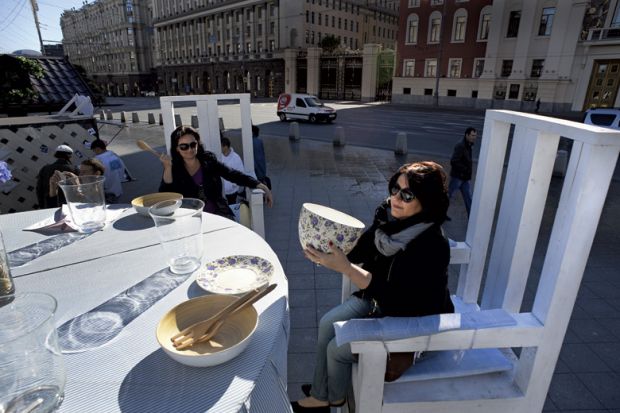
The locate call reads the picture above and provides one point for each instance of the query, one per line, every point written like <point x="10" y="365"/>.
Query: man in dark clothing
<point x="260" y="163"/>
<point x="63" y="164"/>
<point x="461" y="167"/>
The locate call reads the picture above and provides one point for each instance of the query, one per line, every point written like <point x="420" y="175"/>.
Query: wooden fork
<point x="204" y="330"/>
<point x="213" y="330"/>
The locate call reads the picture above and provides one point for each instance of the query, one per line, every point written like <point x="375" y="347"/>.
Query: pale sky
<point x="17" y="29"/>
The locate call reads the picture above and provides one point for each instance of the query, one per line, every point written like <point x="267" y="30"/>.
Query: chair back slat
<point x="530" y="166"/>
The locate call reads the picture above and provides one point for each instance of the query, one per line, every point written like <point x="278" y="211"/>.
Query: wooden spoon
<point x="146" y="147"/>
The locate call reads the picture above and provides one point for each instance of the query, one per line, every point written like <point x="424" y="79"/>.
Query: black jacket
<point x="43" y="183"/>
<point x="414" y="281"/>
<point x="212" y="172"/>
<point x="460" y="163"/>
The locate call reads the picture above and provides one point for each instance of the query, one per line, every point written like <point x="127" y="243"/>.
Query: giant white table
<point x="127" y="371"/>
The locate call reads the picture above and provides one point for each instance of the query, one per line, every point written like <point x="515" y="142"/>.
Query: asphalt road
<point x="429" y="131"/>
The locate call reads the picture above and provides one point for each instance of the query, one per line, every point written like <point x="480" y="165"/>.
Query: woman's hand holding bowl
<point x="334" y="260"/>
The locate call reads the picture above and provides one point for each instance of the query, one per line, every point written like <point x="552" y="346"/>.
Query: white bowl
<point x="142" y="203"/>
<point x="228" y="343"/>
<point x="319" y="224"/>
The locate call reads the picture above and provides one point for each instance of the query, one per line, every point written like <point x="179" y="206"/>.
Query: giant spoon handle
<point x="145" y="147"/>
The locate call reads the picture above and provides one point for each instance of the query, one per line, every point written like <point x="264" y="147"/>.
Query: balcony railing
<point x="605" y="35"/>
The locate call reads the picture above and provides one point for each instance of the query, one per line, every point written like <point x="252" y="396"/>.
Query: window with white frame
<point x="412" y="29"/>
<point x="616" y="20"/>
<point x="546" y="21"/>
<point x="513" y="23"/>
<point x="454" y="67"/>
<point x="408" y="68"/>
<point x="459" y="25"/>
<point x="414" y="3"/>
<point x="484" y="24"/>
<point x="430" y="67"/>
<point x="537" y="67"/>
<point x="436" y="2"/>
<point x="434" y="27"/>
<point x="478" y="67"/>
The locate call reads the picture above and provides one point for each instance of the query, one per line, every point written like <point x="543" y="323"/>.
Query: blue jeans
<point x="465" y="188"/>
<point x="332" y="373"/>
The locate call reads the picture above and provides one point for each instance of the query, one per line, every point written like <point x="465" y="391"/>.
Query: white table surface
<point x="129" y="372"/>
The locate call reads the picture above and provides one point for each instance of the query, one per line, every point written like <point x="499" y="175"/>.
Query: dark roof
<point x="60" y="81"/>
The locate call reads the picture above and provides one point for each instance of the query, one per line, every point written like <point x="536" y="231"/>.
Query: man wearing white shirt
<point x="114" y="170"/>
<point x="231" y="159"/>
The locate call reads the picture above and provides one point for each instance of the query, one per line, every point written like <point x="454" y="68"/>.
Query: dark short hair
<point x="255" y="130"/>
<point x="225" y="141"/>
<point x="427" y="180"/>
<point x="174" y="142"/>
<point x="469" y="130"/>
<point x="95" y="164"/>
<point x="98" y="143"/>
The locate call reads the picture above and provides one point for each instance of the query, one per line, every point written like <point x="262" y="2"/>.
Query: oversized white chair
<point x="83" y="106"/>
<point x="208" y="120"/>
<point x="473" y="366"/>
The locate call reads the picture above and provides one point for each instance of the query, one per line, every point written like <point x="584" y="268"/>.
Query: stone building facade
<point x="214" y="46"/>
<point x="111" y="39"/>
<point x="556" y="55"/>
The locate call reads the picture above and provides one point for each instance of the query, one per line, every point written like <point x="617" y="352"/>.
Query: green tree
<point x="15" y="85"/>
<point x="330" y="43"/>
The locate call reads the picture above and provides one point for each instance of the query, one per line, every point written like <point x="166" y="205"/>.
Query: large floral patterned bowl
<point x="319" y="224"/>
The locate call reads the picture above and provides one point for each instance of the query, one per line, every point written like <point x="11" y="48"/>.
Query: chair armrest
<point x="257" y="210"/>
<point x="526" y="331"/>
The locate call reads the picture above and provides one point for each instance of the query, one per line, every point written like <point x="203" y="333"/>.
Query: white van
<point x="302" y="106"/>
<point x="607" y="117"/>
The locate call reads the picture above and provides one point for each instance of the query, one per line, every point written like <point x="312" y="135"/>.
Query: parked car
<point x="302" y="106"/>
<point x="607" y="117"/>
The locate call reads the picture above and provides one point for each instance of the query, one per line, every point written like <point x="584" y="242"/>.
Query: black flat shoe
<point x="301" y="409"/>
<point x="339" y="404"/>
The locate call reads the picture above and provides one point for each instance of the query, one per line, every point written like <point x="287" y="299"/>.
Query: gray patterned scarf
<point x="389" y="245"/>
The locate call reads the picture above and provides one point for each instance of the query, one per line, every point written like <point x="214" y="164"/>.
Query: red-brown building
<point x="462" y="36"/>
<point x="552" y="55"/>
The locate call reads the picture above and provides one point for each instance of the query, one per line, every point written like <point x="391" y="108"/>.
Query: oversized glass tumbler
<point x="86" y="200"/>
<point x="179" y="227"/>
<point x="32" y="371"/>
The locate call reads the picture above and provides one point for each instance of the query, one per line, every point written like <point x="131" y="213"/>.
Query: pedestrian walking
<point x="461" y="167"/>
<point x="260" y="161"/>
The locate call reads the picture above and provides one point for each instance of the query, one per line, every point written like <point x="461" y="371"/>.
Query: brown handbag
<point x="397" y="364"/>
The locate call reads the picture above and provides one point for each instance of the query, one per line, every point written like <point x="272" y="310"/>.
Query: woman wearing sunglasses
<point x="196" y="173"/>
<point x="400" y="265"/>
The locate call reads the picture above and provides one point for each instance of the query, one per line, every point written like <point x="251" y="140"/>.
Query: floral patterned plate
<point x="235" y="274"/>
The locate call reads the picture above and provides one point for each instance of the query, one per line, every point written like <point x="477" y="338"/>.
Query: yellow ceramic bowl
<point x="142" y="203"/>
<point x="229" y="342"/>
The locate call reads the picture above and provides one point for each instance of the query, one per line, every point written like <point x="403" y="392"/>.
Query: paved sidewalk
<point x="354" y="180"/>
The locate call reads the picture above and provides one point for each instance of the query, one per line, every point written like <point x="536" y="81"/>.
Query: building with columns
<point x="111" y="40"/>
<point x="564" y="54"/>
<point x="215" y="46"/>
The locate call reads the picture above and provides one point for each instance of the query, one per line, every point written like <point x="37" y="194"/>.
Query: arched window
<point x="411" y="36"/>
<point x="459" y="26"/>
<point x="484" y="25"/>
<point x="434" y="27"/>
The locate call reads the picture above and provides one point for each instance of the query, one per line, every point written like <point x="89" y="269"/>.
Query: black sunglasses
<point x="405" y="194"/>
<point x="186" y="146"/>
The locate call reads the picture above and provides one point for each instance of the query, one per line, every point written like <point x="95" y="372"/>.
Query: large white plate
<point x="235" y="274"/>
